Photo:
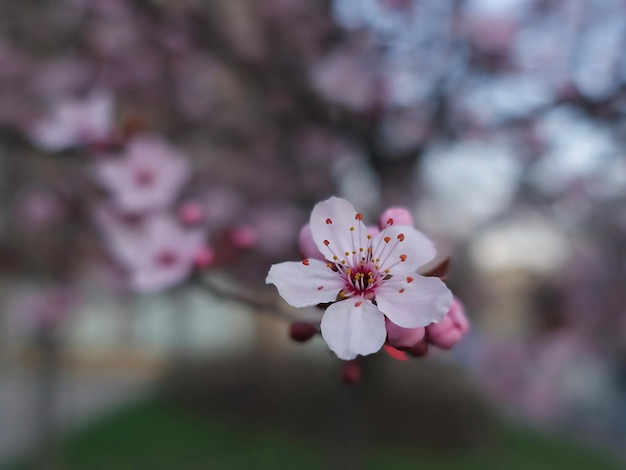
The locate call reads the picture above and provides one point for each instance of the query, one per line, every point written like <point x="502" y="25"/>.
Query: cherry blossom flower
<point x="74" y="122"/>
<point x="365" y="278"/>
<point x="147" y="177"/>
<point x="157" y="252"/>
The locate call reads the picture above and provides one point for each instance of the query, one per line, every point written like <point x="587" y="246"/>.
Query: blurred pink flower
<point x="74" y="122"/>
<point x="345" y="78"/>
<point x="361" y="269"/>
<point x="157" y="252"/>
<point x="147" y="177"/>
<point x="451" y="329"/>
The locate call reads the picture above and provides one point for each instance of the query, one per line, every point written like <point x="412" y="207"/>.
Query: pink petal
<point x="305" y="283"/>
<point x="414" y="301"/>
<point x="352" y="327"/>
<point x="403" y="337"/>
<point x="395" y="216"/>
<point x="308" y="248"/>
<point x="331" y="224"/>
<point x="402" y="249"/>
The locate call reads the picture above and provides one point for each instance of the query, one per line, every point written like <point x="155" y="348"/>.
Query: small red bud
<point x="301" y="331"/>
<point x="204" y="258"/>
<point x="351" y="372"/>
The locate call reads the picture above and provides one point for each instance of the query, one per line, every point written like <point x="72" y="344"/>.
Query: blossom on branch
<point x="147" y="177"/>
<point x="157" y="252"/>
<point x="366" y="279"/>
<point x="74" y="122"/>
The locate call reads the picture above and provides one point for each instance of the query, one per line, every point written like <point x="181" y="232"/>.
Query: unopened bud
<point x="351" y="372"/>
<point x="204" y="258"/>
<point x="301" y="331"/>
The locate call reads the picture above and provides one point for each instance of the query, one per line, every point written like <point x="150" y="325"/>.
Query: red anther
<point x="358" y="216"/>
<point x="409" y="279"/>
<point x="305" y="262"/>
<point x="401" y="237"/>
<point x="329" y="221"/>
<point x="389" y="221"/>
<point x="357" y="304"/>
<point x="387" y="239"/>
<point x="326" y="242"/>
<point x="301" y="331"/>
<point x="351" y="372"/>
<point x="419" y="349"/>
<point x="401" y="291"/>
<point x="403" y="258"/>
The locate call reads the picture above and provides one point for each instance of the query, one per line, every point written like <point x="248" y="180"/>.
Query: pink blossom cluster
<point x="158" y="244"/>
<point x="371" y="283"/>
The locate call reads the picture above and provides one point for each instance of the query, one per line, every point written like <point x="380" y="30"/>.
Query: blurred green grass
<point x="157" y="434"/>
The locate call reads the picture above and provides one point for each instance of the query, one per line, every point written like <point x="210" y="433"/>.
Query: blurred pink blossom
<point x="156" y="251"/>
<point x="346" y="78"/>
<point x="360" y="269"/>
<point x="147" y="177"/>
<point x="74" y="122"/>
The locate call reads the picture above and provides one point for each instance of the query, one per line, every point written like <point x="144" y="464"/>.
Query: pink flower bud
<point x="204" y="258"/>
<point x="302" y="332"/>
<point x="191" y="213"/>
<point x="351" y="372"/>
<point x="399" y="337"/>
<point x="395" y="216"/>
<point x="450" y="329"/>
<point x="372" y="230"/>
<point x="308" y="248"/>
<point x="243" y="237"/>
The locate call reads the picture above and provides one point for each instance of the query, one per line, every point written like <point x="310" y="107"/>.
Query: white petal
<point x="302" y="285"/>
<point x="352" y="327"/>
<point x="331" y="224"/>
<point x="420" y="302"/>
<point x="402" y="249"/>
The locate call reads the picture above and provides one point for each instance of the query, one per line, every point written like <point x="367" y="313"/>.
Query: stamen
<point x="329" y="221"/>
<point x="357" y="304"/>
<point x="320" y="287"/>
<point x="409" y="279"/>
<point x="358" y="216"/>
<point x="305" y="262"/>
<point x="401" y="237"/>
<point x="403" y="258"/>
<point x="326" y="242"/>
<point x="389" y="221"/>
<point x="401" y="291"/>
<point x="387" y="239"/>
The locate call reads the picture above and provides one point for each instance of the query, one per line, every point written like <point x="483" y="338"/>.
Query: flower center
<point x="144" y="177"/>
<point x="166" y="258"/>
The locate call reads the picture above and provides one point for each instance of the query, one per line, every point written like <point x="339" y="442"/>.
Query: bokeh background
<point x="498" y="123"/>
